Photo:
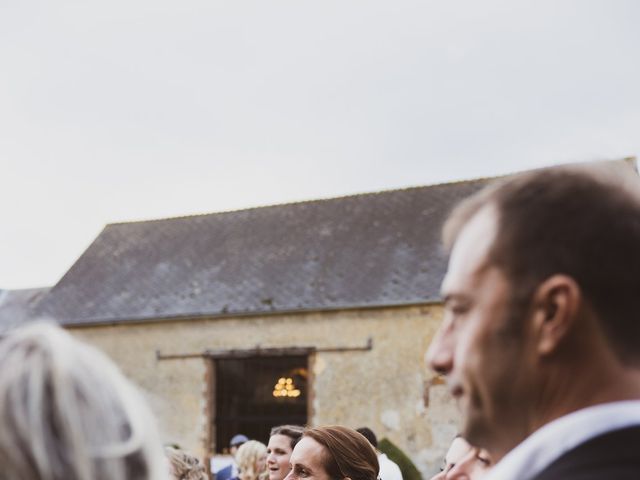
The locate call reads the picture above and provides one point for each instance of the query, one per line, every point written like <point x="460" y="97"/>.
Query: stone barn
<point x="314" y="313"/>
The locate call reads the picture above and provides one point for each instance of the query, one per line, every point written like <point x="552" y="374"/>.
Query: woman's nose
<point x="462" y="469"/>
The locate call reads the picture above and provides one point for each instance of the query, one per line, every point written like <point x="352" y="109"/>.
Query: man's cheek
<point x="465" y="353"/>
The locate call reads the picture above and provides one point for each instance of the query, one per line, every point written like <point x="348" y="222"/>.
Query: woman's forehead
<point x="280" y="440"/>
<point x="308" y="451"/>
<point x="458" y="449"/>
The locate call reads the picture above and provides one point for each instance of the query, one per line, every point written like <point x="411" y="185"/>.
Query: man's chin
<point x="466" y="411"/>
<point x="475" y="429"/>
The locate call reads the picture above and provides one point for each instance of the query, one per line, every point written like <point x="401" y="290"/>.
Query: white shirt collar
<point x="555" y="438"/>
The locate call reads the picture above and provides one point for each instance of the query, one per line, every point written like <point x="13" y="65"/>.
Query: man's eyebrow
<point x="453" y="296"/>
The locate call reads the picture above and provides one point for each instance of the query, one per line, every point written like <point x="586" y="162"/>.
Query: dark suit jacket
<point x="612" y="456"/>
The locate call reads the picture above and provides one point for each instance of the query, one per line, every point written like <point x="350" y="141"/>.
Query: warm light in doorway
<point x="285" y="388"/>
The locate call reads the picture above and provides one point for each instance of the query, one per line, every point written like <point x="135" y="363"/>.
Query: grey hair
<point x="68" y="413"/>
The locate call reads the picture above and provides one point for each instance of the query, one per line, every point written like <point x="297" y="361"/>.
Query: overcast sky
<point x="123" y="110"/>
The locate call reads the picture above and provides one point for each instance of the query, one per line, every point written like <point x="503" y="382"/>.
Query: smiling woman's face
<point x="278" y="455"/>
<point x="308" y="460"/>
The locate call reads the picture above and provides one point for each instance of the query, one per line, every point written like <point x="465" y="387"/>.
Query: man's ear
<point x="557" y="303"/>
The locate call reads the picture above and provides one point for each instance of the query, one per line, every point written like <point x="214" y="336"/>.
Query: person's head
<point x="458" y="449"/>
<point x="367" y="433"/>
<point x="183" y="466"/>
<point x="463" y="461"/>
<point x="541" y="277"/>
<point x="251" y="460"/>
<point x="66" y="412"/>
<point x="333" y="453"/>
<point x="281" y="442"/>
<point x="235" y="443"/>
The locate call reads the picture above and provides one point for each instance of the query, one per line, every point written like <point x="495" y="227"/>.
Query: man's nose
<point x="440" y="353"/>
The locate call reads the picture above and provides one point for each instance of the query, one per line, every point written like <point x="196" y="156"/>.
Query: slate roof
<point x="18" y="306"/>
<point x="369" y="250"/>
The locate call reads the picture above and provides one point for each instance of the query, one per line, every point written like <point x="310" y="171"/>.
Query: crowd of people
<point x="539" y="344"/>
<point x="289" y="444"/>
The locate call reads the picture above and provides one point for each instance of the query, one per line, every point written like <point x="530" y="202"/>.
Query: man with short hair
<point x="231" y="470"/>
<point x="541" y="334"/>
<point x="389" y="470"/>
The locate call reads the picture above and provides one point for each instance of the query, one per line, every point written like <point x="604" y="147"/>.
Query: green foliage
<point x="408" y="469"/>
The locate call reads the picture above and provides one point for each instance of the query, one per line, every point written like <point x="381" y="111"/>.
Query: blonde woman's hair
<point x="184" y="466"/>
<point x="67" y="413"/>
<point x="247" y="458"/>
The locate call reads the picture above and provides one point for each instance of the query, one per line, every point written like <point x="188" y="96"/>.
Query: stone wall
<point x="387" y="388"/>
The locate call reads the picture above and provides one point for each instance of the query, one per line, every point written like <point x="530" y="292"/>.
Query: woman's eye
<point x="299" y="472"/>
<point x="483" y="456"/>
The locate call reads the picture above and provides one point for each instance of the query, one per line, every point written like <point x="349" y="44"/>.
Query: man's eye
<point x="456" y="307"/>
<point x="459" y="308"/>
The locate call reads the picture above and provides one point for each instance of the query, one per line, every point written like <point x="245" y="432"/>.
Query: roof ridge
<point x="314" y="200"/>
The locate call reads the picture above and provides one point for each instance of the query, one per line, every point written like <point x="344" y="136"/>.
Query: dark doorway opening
<point x="256" y="393"/>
